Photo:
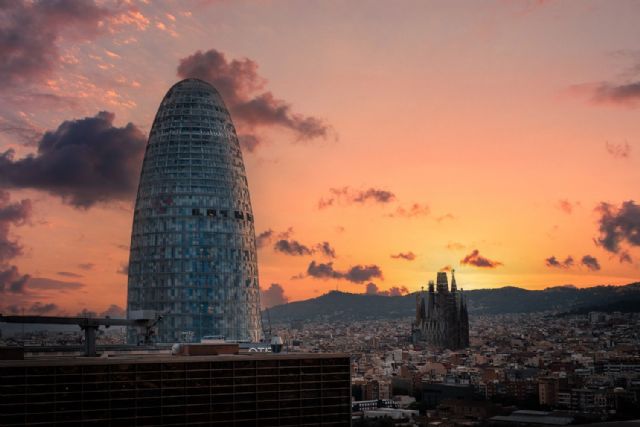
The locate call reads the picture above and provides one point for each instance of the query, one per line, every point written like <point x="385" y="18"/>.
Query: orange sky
<point x="486" y="112"/>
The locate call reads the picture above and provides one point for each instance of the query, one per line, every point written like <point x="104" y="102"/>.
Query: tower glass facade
<point x="193" y="252"/>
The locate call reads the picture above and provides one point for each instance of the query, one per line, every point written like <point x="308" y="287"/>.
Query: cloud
<point x="249" y="142"/>
<point x="243" y="91"/>
<point x="295" y="248"/>
<point x="83" y="161"/>
<point x="30" y="33"/>
<point x="40" y="309"/>
<point x="264" y="238"/>
<point x="272" y="296"/>
<point x="68" y="274"/>
<point x="447" y="267"/>
<point x="355" y="274"/>
<point x="619" y="151"/>
<point x="349" y="196"/>
<point x="553" y="262"/>
<point x="267" y="236"/>
<point x="625" y="257"/>
<point x="624" y="94"/>
<point x="566" y="206"/>
<point x="114" y="311"/>
<point x="416" y="209"/>
<point x="395" y="291"/>
<point x="86" y="266"/>
<point x="325" y="249"/>
<point x="475" y="259"/>
<point x="292" y="247"/>
<point x="590" y="262"/>
<point x="11" y="280"/>
<point x="409" y="256"/>
<point x="11" y="214"/>
<point x="618" y="226"/>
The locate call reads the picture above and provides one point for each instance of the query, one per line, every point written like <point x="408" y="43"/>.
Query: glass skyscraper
<point x="193" y="250"/>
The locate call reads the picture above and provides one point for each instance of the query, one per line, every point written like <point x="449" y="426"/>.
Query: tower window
<point x="224" y="214"/>
<point x="195" y="212"/>
<point x="238" y="215"/>
<point x="211" y="212"/>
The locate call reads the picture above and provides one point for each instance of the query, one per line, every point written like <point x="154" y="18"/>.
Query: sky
<point x="383" y="141"/>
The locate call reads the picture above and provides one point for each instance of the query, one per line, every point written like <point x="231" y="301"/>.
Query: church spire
<point x="453" y="281"/>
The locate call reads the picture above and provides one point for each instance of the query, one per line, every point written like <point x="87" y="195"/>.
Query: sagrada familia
<point x="442" y="320"/>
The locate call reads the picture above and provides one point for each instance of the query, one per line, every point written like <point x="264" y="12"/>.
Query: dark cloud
<point x="114" y="311"/>
<point x="348" y="196"/>
<point x="272" y="296"/>
<point x="590" y="262"/>
<point x="267" y="236"/>
<point x="39" y="308"/>
<point x="619" y="225"/>
<point x="619" y="151"/>
<point x="362" y="273"/>
<point x="553" y="262"/>
<point x="30" y="31"/>
<point x="264" y="238"/>
<point x="11" y="280"/>
<point x="242" y="89"/>
<point x="355" y="274"/>
<point x="325" y="249"/>
<point x="323" y="271"/>
<point x="415" y="210"/>
<point x="475" y="259"/>
<point x="68" y="274"/>
<point x="395" y="291"/>
<point x="409" y="256"/>
<point x="292" y="247"/>
<point x="295" y="248"/>
<point x="84" y="161"/>
<point x="249" y="142"/>
<point x="625" y="257"/>
<point x="11" y="214"/>
<point x="86" y="266"/>
<point x="624" y="94"/>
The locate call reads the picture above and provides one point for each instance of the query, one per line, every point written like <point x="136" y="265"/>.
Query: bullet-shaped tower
<point x="193" y="250"/>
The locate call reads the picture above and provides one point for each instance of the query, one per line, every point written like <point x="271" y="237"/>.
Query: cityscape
<point x="181" y="246"/>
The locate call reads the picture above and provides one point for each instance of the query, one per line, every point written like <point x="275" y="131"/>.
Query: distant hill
<point x="341" y="306"/>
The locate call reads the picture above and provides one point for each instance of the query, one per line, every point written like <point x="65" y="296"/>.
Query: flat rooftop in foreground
<point x="256" y="389"/>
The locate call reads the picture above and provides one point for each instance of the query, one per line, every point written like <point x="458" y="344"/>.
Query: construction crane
<point x="89" y="325"/>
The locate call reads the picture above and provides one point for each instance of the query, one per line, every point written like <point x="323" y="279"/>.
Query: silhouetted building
<point x="441" y="315"/>
<point x="155" y="390"/>
<point x="193" y="250"/>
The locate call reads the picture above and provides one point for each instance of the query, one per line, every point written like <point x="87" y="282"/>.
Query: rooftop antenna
<point x="268" y="320"/>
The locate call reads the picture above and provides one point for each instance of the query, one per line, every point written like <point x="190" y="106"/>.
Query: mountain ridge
<point x="343" y="306"/>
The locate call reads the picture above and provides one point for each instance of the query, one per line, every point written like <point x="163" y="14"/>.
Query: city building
<point x="193" y="251"/>
<point x="128" y="390"/>
<point x="441" y="315"/>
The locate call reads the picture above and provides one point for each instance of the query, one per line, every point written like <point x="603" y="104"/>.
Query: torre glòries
<point x="441" y="315"/>
<point x="193" y="248"/>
